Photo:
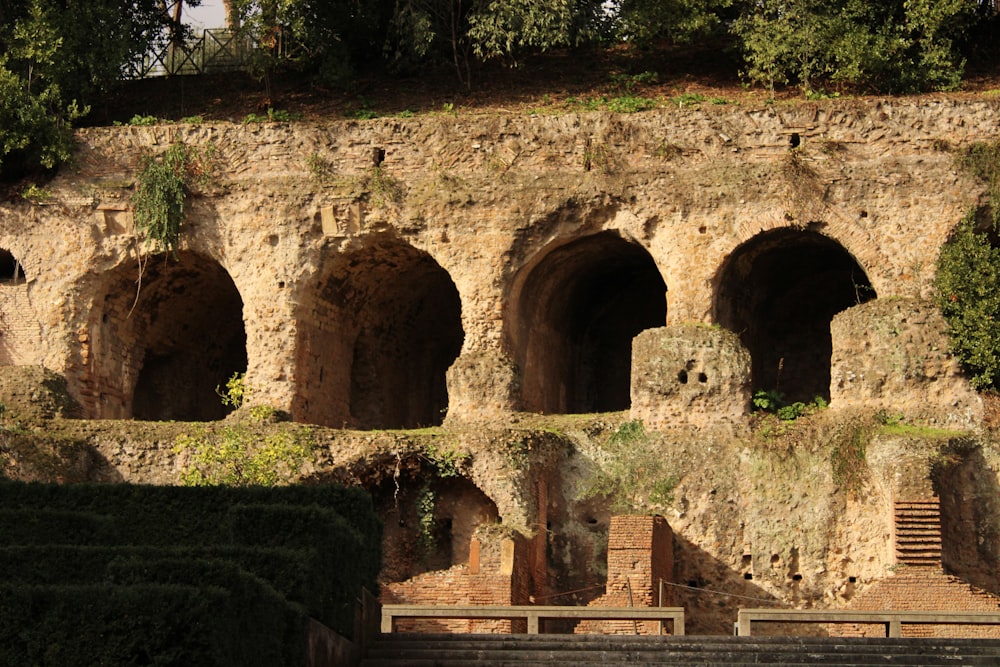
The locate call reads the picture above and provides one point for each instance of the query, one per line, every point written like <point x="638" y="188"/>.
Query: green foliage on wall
<point x="968" y="292"/>
<point x="162" y="189"/>
<point x="633" y="473"/>
<point x="967" y="283"/>
<point x="240" y="456"/>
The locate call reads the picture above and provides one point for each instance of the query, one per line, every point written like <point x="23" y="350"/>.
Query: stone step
<point x="570" y="654"/>
<point x="919" y="547"/>
<point x="684" y="642"/>
<point x="586" y="650"/>
<point x="912" y="531"/>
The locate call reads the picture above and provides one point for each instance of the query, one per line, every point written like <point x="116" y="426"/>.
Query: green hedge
<point x="295" y="573"/>
<point x="171" y="515"/>
<point x="55" y="526"/>
<point x="149" y="624"/>
<point x="329" y="535"/>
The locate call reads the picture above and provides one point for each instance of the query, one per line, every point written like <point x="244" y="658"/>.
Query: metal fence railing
<point x="212" y="51"/>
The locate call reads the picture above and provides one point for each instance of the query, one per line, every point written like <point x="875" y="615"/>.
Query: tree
<point x="874" y="45"/>
<point x="34" y="121"/>
<point x="643" y="21"/>
<point x="968" y="293"/>
<point x="57" y="58"/>
<point x="507" y="28"/>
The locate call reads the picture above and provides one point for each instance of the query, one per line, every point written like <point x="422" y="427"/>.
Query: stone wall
<point x="892" y="354"/>
<point x="535" y="225"/>
<point x="499" y="263"/>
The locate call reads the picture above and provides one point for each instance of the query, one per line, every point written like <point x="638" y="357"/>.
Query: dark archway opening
<point x="378" y="339"/>
<point x="11" y="271"/>
<point x="574" y="315"/>
<point x="164" y="353"/>
<point x="779" y="291"/>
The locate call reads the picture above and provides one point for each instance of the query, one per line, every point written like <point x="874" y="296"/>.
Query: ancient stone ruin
<point x="530" y="286"/>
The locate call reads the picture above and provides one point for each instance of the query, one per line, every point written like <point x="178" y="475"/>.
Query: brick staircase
<point x="918" y="533"/>
<point x="455" y="650"/>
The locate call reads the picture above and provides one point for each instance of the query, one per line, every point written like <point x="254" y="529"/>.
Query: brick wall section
<point x="640" y="555"/>
<point x="919" y="583"/>
<point x="920" y="589"/>
<point x="497" y="574"/>
<point x="20" y="331"/>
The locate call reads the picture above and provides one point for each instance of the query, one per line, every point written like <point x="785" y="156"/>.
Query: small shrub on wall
<point x="162" y="189"/>
<point x="968" y="293"/>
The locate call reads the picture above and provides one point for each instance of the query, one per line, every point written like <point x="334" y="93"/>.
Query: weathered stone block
<point x="482" y="384"/>
<point x="689" y="374"/>
<point x="893" y="354"/>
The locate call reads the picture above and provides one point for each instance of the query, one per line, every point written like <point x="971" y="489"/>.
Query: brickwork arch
<point x="160" y="355"/>
<point x="570" y="318"/>
<point x="778" y="292"/>
<point x="378" y="328"/>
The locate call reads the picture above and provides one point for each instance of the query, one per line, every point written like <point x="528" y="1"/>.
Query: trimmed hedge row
<point x="295" y="573"/>
<point x="150" y="624"/>
<point x="275" y="555"/>
<point x="55" y="526"/>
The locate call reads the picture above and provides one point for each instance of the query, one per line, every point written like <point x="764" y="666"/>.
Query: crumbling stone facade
<point x="494" y="243"/>
<point x="660" y="265"/>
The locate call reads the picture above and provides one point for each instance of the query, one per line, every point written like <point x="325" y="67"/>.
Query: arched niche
<point x="163" y="341"/>
<point x="11" y="271"/>
<point x="779" y="292"/>
<point x="429" y="521"/>
<point x="571" y="316"/>
<point x="378" y="330"/>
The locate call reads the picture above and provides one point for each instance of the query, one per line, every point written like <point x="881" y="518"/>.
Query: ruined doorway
<point x="571" y="318"/>
<point x="11" y="271"/>
<point x="162" y="354"/>
<point x="778" y="292"/>
<point x="13" y="305"/>
<point x="378" y="331"/>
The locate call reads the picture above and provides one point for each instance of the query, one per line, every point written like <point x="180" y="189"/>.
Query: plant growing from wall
<point x="236" y="391"/>
<point x="162" y="188"/>
<point x="446" y="462"/>
<point x="383" y="189"/>
<point x="633" y="473"/>
<point x="848" y="451"/>
<point x="773" y="401"/>
<point x="426" y="501"/>
<point x="967" y="282"/>
<point x="968" y="293"/>
<point x="237" y="456"/>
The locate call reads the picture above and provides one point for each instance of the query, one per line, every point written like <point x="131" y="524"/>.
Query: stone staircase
<point x="918" y="533"/>
<point x="456" y="650"/>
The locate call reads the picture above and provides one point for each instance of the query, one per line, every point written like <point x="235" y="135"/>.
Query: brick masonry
<point x="640" y="556"/>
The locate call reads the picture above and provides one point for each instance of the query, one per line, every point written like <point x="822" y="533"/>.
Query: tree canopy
<point x="59" y="56"/>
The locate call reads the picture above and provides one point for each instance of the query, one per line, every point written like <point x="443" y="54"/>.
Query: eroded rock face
<point x="558" y="235"/>
<point x="34" y="393"/>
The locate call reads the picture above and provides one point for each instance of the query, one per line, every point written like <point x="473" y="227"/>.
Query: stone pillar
<point x="689" y="374"/>
<point x="892" y="354"/>
<point x="482" y="384"/>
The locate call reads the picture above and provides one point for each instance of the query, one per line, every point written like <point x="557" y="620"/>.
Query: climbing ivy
<point x="161" y="191"/>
